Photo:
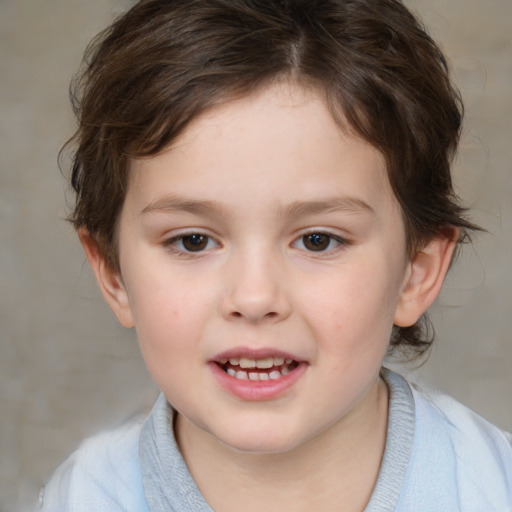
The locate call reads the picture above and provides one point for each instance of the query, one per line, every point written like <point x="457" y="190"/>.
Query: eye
<point x="319" y="242"/>
<point x="191" y="242"/>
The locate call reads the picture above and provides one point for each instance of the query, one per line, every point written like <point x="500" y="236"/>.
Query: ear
<point x="109" y="280"/>
<point x="424" y="278"/>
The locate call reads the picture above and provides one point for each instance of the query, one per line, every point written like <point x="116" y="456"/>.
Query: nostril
<point x="271" y="315"/>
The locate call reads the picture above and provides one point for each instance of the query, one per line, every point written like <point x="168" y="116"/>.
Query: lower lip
<point x="257" y="390"/>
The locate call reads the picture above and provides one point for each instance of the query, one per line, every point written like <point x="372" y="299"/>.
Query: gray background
<point x="67" y="369"/>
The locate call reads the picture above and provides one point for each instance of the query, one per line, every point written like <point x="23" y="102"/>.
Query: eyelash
<point x="171" y="243"/>
<point x="340" y="241"/>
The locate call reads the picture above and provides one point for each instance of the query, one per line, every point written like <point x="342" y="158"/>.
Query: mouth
<point x="263" y="369"/>
<point x="258" y="375"/>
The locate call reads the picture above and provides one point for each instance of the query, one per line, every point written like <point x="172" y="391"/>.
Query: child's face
<point x="265" y="232"/>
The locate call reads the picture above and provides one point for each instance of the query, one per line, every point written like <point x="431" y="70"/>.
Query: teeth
<point x="265" y="363"/>
<point x="246" y="363"/>
<point x="243" y="368"/>
<point x="255" y="376"/>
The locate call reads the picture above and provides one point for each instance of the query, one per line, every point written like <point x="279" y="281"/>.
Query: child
<point x="264" y="193"/>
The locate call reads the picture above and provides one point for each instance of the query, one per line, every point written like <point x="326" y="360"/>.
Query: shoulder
<point x="459" y="457"/>
<point x="464" y="426"/>
<point x="102" y="475"/>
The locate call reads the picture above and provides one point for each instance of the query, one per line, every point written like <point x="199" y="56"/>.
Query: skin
<point x="256" y="176"/>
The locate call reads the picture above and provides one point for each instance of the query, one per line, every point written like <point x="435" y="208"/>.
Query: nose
<point x="255" y="289"/>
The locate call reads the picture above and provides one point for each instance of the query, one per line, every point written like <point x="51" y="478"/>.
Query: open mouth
<point x="269" y="368"/>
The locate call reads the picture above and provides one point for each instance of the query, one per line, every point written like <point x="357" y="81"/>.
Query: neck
<point x="336" y="470"/>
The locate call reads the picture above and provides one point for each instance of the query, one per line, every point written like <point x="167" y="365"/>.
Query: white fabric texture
<point x="460" y="462"/>
<point x="103" y="475"/>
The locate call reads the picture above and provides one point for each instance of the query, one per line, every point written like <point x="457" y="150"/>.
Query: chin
<point x="260" y="441"/>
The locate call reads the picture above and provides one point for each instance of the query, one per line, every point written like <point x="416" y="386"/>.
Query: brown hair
<point x="166" y="61"/>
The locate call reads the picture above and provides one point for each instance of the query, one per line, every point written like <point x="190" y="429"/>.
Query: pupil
<point x="195" y="242"/>
<point x="316" y="241"/>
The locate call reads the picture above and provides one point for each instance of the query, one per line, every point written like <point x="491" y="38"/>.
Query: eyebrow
<point x="174" y="204"/>
<point x="344" y="204"/>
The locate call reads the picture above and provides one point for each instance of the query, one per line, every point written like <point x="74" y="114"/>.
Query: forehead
<point x="282" y="142"/>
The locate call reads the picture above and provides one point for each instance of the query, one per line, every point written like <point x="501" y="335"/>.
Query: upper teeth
<point x="245" y="362"/>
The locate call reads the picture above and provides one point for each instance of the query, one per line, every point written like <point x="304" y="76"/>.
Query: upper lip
<point x="250" y="353"/>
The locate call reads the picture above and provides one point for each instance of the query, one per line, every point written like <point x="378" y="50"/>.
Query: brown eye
<point x="194" y="243"/>
<point x="316" y="241"/>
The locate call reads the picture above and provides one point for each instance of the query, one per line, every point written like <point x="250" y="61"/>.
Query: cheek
<point x="170" y="327"/>
<point x="355" y="310"/>
<point x="169" y="310"/>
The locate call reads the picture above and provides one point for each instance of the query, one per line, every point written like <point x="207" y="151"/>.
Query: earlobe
<point x="424" y="279"/>
<point x="108" y="279"/>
